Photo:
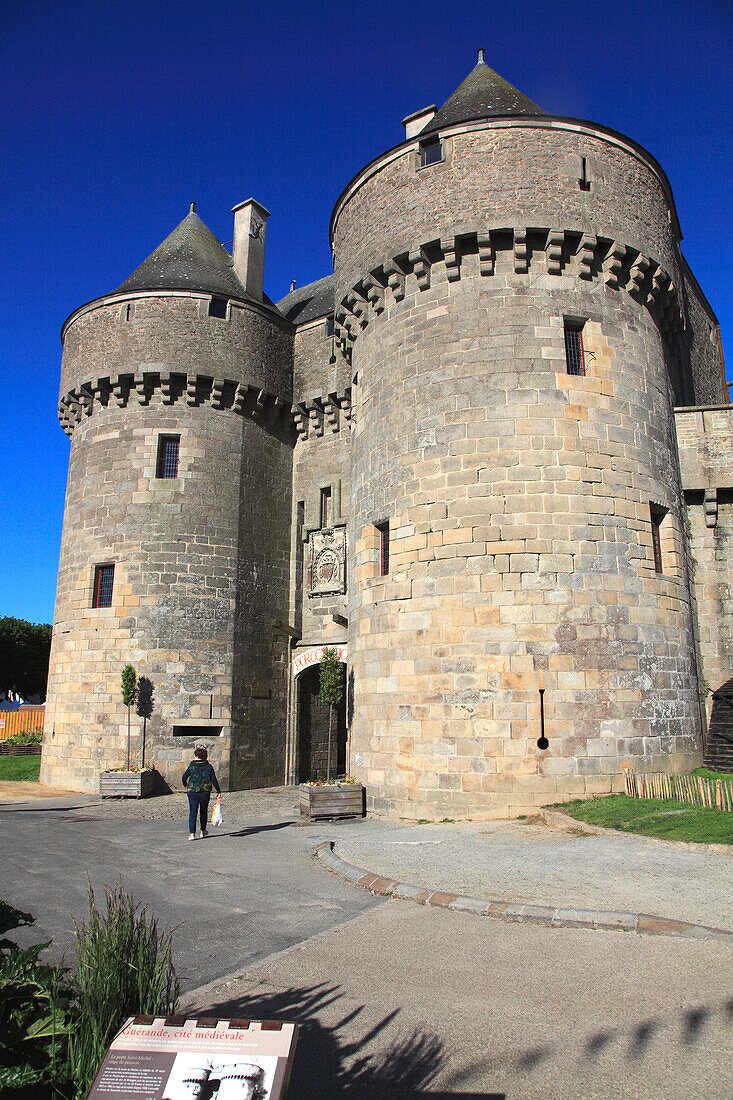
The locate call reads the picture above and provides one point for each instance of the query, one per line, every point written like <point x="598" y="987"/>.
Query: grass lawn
<point x="662" y="817"/>
<point x="18" y="768"/>
<point x="706" y="773"/>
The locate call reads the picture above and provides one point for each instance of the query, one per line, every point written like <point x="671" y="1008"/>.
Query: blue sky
<point x="116" y="115"/>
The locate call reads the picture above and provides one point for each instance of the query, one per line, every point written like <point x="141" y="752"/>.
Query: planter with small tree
<point x="343" y="796"/>
<point x="131" y="782"/>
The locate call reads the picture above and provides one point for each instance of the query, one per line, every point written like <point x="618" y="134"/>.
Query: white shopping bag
<point x="216" y="812"/>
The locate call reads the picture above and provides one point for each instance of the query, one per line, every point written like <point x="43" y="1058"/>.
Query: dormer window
<point x="218" y="308"/>
<point x="431" y="151"/>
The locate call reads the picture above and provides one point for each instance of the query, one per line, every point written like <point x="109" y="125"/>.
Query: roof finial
<point x="193" y="208"/>
<point x="481" y="57"/>
<point x="292" y="286"/>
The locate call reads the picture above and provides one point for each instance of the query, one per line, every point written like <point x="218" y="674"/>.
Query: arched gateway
<point x="312" y="719"/>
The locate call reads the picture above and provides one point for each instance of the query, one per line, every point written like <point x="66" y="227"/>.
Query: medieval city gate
<point x="312" y="718"/>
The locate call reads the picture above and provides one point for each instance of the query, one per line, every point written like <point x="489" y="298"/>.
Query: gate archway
<point x="313" y="719"/>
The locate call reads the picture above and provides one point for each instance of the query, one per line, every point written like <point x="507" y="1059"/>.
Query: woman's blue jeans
<point x="198" y="802"/>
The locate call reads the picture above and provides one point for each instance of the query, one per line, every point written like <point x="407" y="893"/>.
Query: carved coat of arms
<point x="327" y="561"/>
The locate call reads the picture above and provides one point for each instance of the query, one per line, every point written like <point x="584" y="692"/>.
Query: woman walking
<point x="198" y="779"/>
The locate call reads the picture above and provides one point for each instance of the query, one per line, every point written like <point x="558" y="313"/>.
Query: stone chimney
<point x="418" y="121"/>
<point x="248" y="252"/>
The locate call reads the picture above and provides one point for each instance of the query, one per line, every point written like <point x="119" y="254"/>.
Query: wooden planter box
<point x="331" y="800"/>
<point x="19" y="750"/>
<point x="127" y="784"/>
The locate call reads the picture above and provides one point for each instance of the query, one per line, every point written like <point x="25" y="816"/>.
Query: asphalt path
<point x="413" y="1003"/>
<point x="234" y="898"/>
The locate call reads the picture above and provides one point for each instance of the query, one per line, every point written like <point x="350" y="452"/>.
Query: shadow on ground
<point x="333" y="1068"/>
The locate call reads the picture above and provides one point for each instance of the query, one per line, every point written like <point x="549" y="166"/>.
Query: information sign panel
<point x="201" y="1059"/>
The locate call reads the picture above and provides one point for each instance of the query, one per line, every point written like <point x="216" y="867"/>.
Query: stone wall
<point x="518" y="495"/>
<point x="706" y="456"/>
<point x="201" y="561"/>
<point x="498" y="175"/>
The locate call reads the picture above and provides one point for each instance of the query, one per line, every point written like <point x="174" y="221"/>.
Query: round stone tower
<point x="508" y="290"/>
<point x="175" y="544"/>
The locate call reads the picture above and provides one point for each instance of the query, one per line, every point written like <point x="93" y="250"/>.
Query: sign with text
<point x="307" y="657"/>
<point x="204" y="1059"/>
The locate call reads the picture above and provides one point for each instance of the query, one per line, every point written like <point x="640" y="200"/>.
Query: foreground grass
<point x="661" y="817"/>
<point x="18" y="769"/>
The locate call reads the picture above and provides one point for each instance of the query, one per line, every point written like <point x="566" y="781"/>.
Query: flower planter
<point x="127" y="784"/>
<point x="331" y="800"/>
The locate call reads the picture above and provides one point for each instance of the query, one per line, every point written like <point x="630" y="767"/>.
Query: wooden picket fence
<point x="693" y="789"/>
<point x="23" y="720"/>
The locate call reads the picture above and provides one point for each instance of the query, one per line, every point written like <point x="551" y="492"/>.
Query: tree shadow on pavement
<point x="331" y="1067"/>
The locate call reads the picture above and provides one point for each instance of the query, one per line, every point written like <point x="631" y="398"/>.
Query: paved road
<point x="236" y="897"/>
<point x="407" y="1002"/>
<point x="403" y="1001"/>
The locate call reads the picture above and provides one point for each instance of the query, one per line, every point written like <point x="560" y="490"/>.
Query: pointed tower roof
<point x="483" y="94"/>
<point x="190" y="258"/>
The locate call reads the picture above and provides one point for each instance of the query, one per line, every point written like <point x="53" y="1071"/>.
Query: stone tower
<point x="488" y="459"/>
<point x="175" y="547"/>
<point x="511" y="295"/>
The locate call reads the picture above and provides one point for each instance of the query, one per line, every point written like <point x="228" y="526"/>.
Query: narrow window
<point x="168" y="456"/>
<point x="431" y="152"/>
<point x="128" y="311"/>
<point x="574" y="358"/>
<point x="383" y="529"/>
<point x="325" y="509"/>
<point x="330" y="325"/>
<point x="584" y="182"/>
<point x="104" y="576"/>
<point x="657" y="515"/>
<point x="218" y="307"/>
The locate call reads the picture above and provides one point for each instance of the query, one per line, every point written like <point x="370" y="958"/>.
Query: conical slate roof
<point x="483" y="94"/>
<point x="190" y="258"/>
<point x="308" y="302"/>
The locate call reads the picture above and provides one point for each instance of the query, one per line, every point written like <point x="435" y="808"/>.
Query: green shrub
<point x="34" y="1014"/>
<point x="27" y="737"/>
<point x="124" y="968"/>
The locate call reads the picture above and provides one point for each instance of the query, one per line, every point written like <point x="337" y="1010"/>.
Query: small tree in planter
<point x="331" y="690"/>
<point x="129" y="695"/>
<point x="145" y="691"/>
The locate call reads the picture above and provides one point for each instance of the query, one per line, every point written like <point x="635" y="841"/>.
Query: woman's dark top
<point x="200" y="776"/>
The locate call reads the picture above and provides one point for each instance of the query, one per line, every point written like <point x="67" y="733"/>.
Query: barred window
<point x="104" y="577"/>
<point x="574" y="357"/>
<point x="168" y="456"/>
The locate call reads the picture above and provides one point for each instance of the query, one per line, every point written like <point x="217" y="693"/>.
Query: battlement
<point x="555" y="252"/>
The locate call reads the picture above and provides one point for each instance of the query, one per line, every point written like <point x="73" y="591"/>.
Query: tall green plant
<point x="124" y="968"/>
<point x="34" y="1003"/>
<point x="129" y="695"/>
<point x="331" y="690"/>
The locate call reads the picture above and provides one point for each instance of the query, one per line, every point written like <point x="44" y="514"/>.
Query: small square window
<point x="168" y="456"/>
<point x="574" y="355"/>
<point x="218" y="308"/>
<point x="383" y="529"/>
<point x="431" y="152"/>
<point x="104" y="577"/>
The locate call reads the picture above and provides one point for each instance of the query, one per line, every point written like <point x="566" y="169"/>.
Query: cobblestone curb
<point x="552" y="917"/>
